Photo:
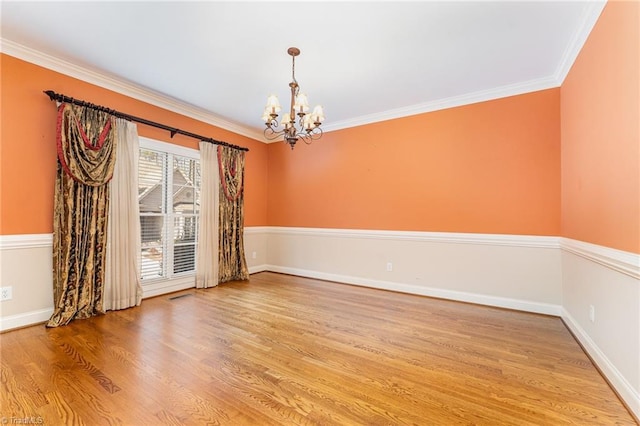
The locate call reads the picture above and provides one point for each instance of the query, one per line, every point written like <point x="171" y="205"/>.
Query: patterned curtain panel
<point x="86" y="156"/>
<point x="232" y="263"/>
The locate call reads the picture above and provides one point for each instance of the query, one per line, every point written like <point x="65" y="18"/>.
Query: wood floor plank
<point x="280" y="350"/>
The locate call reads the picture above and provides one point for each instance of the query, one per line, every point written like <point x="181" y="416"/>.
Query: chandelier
<point x="297" y="123"/>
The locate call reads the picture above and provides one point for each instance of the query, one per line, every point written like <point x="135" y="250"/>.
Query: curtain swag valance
<point x="91" y="161"/>
<point x="172" y="130"/>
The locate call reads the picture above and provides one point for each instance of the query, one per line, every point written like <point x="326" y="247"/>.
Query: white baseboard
<point x="25" y="319"/>
<point x="258" y="268"/>
<point x="480" y="299"/>
<point x="615" y="378"/>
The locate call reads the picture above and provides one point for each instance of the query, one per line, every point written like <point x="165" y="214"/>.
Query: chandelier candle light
<point x="307" y="126"/>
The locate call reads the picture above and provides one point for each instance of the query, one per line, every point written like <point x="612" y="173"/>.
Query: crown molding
<point x="592" y="11"/>
<point x="123" y="87"/>
<point x="454" y="101"/>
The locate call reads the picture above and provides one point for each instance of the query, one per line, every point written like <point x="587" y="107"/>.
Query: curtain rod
<point x="172" y="130"/>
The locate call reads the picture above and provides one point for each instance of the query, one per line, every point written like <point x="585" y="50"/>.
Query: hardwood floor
<point x="288" y="350"/>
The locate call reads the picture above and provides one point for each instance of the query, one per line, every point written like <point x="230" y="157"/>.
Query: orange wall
<point x="490" y="167"/>
<point x="28" y="153"/>
<point x="600" y="116"/>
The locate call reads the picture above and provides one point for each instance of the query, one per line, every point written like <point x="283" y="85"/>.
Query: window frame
<point x="172" y="281"/>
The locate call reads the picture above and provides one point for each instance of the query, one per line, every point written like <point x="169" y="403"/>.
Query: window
<point x="169" y="197"/>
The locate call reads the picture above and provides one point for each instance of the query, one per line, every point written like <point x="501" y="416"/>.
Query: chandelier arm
<point x="271" y="134"/>
<point x="309" y="135"/>
<point x="318" y="134"/>
<point x="306" y="139"/>
<point x="314" y="134"/>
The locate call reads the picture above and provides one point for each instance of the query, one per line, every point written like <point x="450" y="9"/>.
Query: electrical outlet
<point x="5" y="293"/>
<point x="389" y="266"/>
<point x="254" y="255"/>
<point x="592" y="313"/>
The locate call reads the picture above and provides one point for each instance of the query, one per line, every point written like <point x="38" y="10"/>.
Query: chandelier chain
<point x="293" y="70"/>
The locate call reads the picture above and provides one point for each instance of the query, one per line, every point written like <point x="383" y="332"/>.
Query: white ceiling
<point x="363" y="61"/>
